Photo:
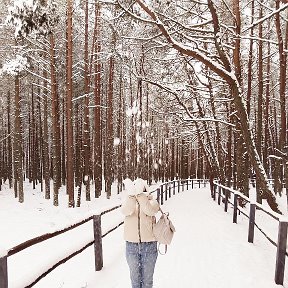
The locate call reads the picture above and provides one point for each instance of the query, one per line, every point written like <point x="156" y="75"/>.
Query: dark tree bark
<point x="97" y="109"/>
<point x="9" y="142"/>
<point x="109" y="146"/>
<point x="86" y="126"/>
<point x="282" y="92"/>
<point x="56" y="150"/>
<point x="267" y="137"/>
<point x="69" y="109"/>
<point x="17" y="143"/>
<point x="46" y="160"/>
<point x="259" y="126"/>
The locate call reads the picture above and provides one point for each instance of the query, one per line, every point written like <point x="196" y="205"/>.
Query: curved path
<point x="208" y="251"/>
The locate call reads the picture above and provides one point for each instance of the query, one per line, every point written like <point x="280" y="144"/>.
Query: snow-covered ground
<point x="208" y="250"/>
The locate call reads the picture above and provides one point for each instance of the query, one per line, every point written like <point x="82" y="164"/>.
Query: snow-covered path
<point x="208" y="251"/>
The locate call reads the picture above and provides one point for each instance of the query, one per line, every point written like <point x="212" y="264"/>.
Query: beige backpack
<point x="163" y="230"/>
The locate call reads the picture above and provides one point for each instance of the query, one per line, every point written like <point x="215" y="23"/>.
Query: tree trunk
<point x="9" y="142"/>
<point x="267" y="137"/>
<point x="46" y="160"/>
<point x="250" y="62"/>
<point x="56" y="150"/>
<point x="69" y="109"/>
<point x="86" y="130"/>
<point x="39" y="138"/>
<point x="109" y="151"/>
<point x="282" y="92"/>
<point x="259" y="126"/>
<point x="78" y="153"/>
<point x="97" y="109"/>
<point x="18" y="163"/>
<point x="254" y="156"/>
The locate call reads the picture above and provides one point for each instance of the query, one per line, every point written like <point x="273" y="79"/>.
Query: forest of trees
<point x="96" y="91"/>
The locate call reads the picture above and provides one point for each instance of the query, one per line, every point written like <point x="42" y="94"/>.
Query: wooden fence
<point x="164" y="191"/>
<point x="224" y="194"/>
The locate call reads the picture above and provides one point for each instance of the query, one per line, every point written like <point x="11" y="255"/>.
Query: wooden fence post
<point x="3" y="272"/>
<point x="235" y="208"/>
<point x="226" y="200"/>
<point x="161" y="202"/>
<point x="192" y="183"/>
<point x="183" y="184"/>
<point x="214" y="191"/>
<point x="281" y="250"/>
<point x="158" y="194"/>
<point x="98" y="242"/>
<point x="179" y="186"/>
<point x="187" y="184"/>
<point x="166" y="191"/>
<point x="169" y="190"/>
<point x="251" y="222"/>
<point x="219" y="195"/>
<point x="174" y="187"/>
<point x="211" y="189"/>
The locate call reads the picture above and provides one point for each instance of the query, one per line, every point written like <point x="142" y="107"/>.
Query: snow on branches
<point x="32" y="16"/>
<point x="15" y="66"/>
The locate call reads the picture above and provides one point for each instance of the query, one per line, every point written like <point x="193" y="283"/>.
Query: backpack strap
<point x="159" y="250"/>
<point x="163" y="212"/>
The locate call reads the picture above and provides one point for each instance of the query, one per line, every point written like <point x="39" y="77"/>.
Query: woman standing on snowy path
<point x="141" y="245"/>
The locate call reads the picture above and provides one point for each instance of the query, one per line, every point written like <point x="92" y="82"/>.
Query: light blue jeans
<point x="141" y="259"/>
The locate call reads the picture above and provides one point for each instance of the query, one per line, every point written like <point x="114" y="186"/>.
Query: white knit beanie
<point x="140" y="186"/>
<point x="129" y="186"/>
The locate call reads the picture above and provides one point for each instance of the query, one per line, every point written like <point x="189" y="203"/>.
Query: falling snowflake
<point x="116" y="141"/>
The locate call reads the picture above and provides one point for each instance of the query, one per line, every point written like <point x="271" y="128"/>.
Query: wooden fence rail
<point x="164" y="192"/>
<point x="224" y="193"/>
